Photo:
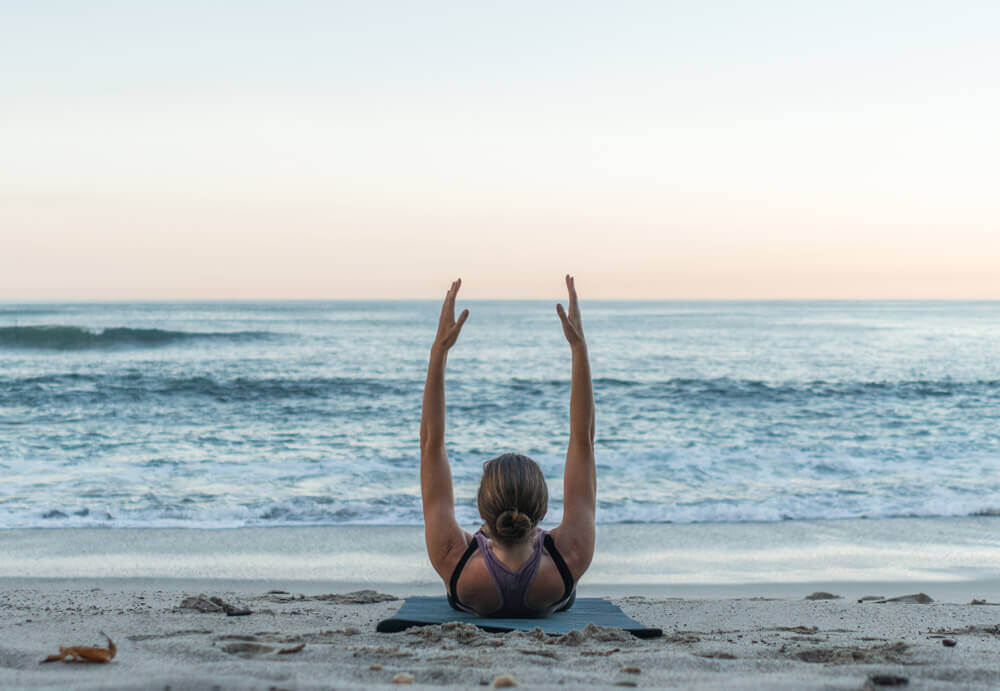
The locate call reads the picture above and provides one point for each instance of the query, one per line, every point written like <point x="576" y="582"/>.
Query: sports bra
<point x="513" y="586"/>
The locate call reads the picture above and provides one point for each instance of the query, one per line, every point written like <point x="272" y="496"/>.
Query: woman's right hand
<point x="572" y="326"/>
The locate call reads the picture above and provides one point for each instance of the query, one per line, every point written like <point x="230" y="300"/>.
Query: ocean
<point x="257" y="414"/>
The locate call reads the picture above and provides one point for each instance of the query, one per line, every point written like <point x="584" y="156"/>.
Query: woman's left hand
<point x="448" y="327"/>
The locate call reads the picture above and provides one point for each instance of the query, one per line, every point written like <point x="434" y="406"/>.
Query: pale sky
<point x="697" y="149"/>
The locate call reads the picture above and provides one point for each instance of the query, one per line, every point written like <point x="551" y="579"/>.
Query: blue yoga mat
<point x="423" y="611"/>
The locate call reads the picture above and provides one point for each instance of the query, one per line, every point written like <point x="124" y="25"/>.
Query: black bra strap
<point x="453" y="583"/>
<point x="567" y="577"/>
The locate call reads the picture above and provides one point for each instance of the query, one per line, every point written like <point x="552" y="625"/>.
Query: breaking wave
<point x="57" y="337"/>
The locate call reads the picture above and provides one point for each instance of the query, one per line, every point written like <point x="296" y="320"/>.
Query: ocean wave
<point x="300" y="512"/>
<point x="690" y="486"/>
<point x="725" y="385"/>
<point x="729" y="388"/>
<point x="489" y="392"/>
<point x="56" y="337"/>
<point x="132" y="386"/>
<point x="818" y="398"/>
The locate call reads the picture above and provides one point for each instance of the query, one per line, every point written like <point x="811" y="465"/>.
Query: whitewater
<point x="231" y="414"/>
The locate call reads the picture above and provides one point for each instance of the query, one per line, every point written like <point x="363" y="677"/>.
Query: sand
<point x="709" y="643"/>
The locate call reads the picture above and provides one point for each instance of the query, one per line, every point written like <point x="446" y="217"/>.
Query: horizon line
<point x="205" y="300"/>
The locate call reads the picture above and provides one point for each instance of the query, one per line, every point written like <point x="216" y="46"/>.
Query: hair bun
<point x="513" y="525"/>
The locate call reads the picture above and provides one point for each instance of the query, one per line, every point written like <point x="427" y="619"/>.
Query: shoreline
<point x="628" y="557"/>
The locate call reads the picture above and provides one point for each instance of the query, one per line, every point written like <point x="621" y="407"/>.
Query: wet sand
<point x="629" y="558"/>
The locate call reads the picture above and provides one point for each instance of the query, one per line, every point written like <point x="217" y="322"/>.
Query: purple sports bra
<point x="513" y="586"/>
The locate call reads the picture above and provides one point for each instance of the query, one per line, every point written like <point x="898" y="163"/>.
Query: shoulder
<point x="447" y="560"/>
<point x="575" y="547"/>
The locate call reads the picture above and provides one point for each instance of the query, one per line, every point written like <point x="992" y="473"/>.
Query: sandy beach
<point x="296" y="640"/>
<point x="726" y="625"/>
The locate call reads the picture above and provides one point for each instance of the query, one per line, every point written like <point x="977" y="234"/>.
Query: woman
<point x="511" y="567"/>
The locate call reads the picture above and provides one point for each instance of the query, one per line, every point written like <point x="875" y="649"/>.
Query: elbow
<point x="430" y="442"/>
<point x="582" y="444"/>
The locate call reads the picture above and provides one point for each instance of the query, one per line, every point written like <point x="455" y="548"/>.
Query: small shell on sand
<point x="504" y="681"/>
<point x="403" y="678"/>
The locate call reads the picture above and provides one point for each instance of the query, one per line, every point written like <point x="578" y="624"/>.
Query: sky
<point x="696" y="149"/>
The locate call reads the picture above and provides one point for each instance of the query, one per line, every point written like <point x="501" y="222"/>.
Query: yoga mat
<point x="423" y="611"/>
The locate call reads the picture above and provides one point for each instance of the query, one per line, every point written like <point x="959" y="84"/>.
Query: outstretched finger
<point x="456" y="328"/>
<point x="453" y="293"/>
<point x="448" y="306"/>
<point x="571" y="288"/>
<point x="562" y="315"/>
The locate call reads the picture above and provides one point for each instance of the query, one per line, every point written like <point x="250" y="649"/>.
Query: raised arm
<point x="445" y="539"/>
<point x="575" y="535"/>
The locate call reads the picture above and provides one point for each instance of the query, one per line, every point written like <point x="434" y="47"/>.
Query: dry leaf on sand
<point x="82" y="653"/>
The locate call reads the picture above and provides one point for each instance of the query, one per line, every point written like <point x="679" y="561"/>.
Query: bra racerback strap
<point x="560" y="563"/>
<point x="453" y="583"/>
